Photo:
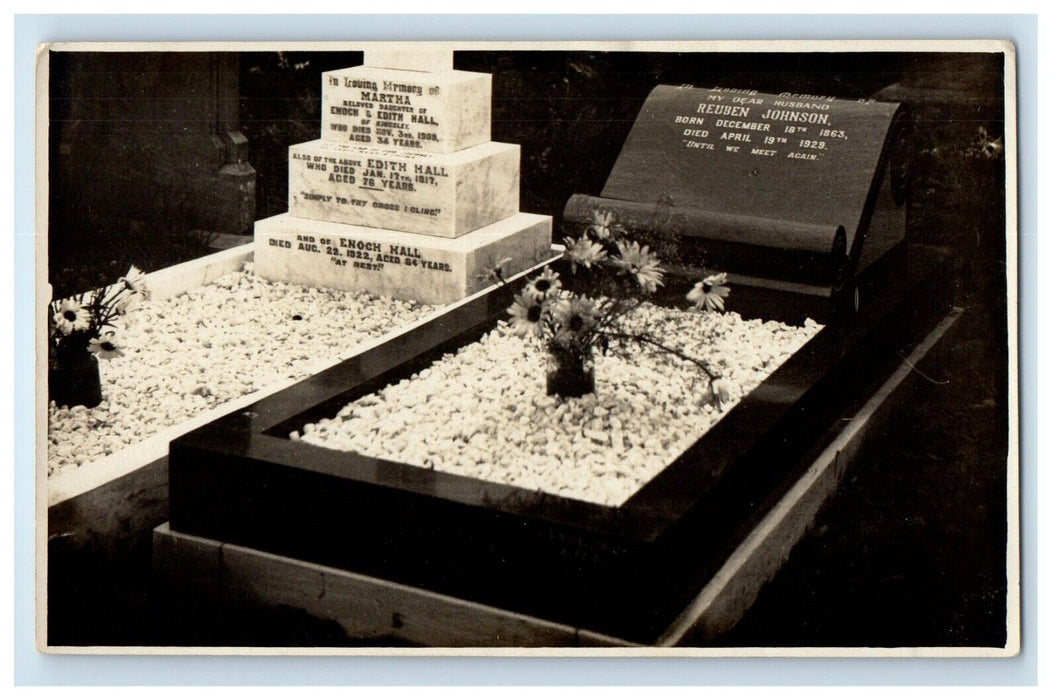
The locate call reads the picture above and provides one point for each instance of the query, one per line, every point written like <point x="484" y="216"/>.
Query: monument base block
<point x="389" y="263"/>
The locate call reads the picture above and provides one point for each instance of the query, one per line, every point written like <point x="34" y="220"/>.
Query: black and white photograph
<point x="686" y="348"/>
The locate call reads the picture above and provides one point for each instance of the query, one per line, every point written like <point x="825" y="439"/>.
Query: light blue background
<point x="32" y="668"/>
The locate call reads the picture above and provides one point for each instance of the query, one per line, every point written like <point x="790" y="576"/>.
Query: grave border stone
<point x="368" y="608"/>
<point x="477" y="540"/>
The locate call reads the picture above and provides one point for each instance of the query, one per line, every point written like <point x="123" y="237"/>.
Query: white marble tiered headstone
<point x="445" y="195"/>
<point x="404" y="195"/>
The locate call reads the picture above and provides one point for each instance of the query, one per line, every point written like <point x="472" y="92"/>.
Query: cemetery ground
<point x="909" y="552"/>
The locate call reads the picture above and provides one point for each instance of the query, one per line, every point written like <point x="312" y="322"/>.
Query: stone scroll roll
<point x="805" y="252"/>
<point x="791" y="187"/>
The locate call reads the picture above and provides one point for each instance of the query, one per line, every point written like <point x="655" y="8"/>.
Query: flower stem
<point x="648" y="340"/>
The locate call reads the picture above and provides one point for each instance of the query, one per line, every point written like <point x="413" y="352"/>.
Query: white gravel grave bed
<point x="193" y="352"/>
<point x="483" y="412"/>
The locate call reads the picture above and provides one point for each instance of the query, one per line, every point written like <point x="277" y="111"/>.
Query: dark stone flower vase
<point x="74" y="381"/>
<point x="570" y="374"/>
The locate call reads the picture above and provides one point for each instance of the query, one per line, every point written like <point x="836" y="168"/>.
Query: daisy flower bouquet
<point x="610" y="276"/>
<point x="83" y="328"/>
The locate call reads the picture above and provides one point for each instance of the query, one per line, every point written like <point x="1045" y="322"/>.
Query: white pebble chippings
<point x="483" y="412"/>
<point x="213" y="344"/>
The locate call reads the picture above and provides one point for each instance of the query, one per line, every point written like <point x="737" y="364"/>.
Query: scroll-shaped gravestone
<point x="794" y="188"/>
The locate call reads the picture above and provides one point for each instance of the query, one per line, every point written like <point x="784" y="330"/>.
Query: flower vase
<point x="74" y="380"/>
<point x="571" y="373"/>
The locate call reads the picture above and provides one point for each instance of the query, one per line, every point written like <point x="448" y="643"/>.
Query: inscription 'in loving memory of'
<point x="371" y="256"/>
<point x="788" y="125"/>
<point x="386" y="117"/>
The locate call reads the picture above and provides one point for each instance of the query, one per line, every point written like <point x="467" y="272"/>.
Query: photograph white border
<point x="770" y="45"/>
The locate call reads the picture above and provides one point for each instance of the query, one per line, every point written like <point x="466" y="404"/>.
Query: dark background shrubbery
<point x="570" y="112"/>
